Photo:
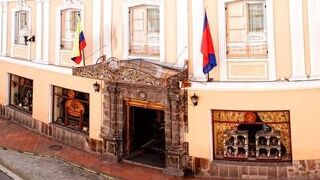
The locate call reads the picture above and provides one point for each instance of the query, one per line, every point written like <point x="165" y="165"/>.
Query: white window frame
<point x="67" y="4"/>
<point x="20" y="7"/>
<point x="126" y="40"/>
<point x="271" y="74"/>
<point x="3" y="27"/>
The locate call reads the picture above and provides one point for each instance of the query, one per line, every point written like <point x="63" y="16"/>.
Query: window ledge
<point x="41" y="66"/>
<point x="144" y="57"/>
<point x="69" y="129"/>
<point x="256" y="86"/>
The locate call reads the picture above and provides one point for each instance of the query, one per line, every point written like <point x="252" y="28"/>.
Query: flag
<point x="209" y="58"/>
<point x="79" y="43"/>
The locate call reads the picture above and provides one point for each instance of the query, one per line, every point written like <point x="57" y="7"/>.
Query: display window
<point x="71" y="109"/>
<point x="21" y="93"/>
<point x="252" y="135"/>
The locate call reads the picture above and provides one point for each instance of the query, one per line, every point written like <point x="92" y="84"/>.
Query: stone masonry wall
<point x="54" y="131"/>
<point x="300" y="169"/>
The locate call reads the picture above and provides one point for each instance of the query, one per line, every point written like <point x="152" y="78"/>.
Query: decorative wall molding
<point x="71" y="2"/>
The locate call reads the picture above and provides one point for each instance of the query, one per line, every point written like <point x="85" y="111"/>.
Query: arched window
<point x="22" y="27"/>
<point x="69" y="20"/>
<point x="67" y="17"/>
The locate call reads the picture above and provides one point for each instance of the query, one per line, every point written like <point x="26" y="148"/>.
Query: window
<point x="21" y="93"/>
<point x="21" y="27"/>
<point x="252" y="136"/>
<point x="69" y="20"/>
<point x="71" y="109"/>
<point x="246" y="33"/>
<point x="144" y="30"/>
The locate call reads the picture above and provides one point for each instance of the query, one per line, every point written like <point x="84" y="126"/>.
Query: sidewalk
<point x="19" y="138"/>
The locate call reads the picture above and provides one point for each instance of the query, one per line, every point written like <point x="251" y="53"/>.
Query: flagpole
<point x="84" y="59"/>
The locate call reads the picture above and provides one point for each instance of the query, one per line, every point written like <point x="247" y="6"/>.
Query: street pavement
<point x="34" y="167"/>
<point x="3" y="176"/>
<point x="13" y="136"/>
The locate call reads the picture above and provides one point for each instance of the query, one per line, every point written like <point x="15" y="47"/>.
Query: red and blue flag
<point x="209" y="58"/>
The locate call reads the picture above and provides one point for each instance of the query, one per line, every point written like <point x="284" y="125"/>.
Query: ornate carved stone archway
<point x="139" y="80"/>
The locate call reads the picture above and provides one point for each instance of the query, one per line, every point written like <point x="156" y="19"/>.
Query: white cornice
<point x="52" y="68"/>
<point x="255" y="86"/>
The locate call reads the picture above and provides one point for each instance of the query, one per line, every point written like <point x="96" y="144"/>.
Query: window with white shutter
<point x="144" y="29"/>
<point x="69" y="20"/>
<point x="246" y="33"/>
<point x="21" y="25"/>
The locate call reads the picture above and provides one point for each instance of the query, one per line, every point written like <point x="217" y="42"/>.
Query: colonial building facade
<point x="139" y="95"/>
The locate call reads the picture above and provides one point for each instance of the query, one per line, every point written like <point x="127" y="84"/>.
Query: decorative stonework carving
<point x="68" y="2"/>
<point x="128" y="74"/>
<point x="142" y="84"/>
<point x="113" y="64"/>
<point x="142" y="95"/>
<point x="21" y="3"/>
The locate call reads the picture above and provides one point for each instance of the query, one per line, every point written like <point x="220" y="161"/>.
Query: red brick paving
<point x="16" y="137"/>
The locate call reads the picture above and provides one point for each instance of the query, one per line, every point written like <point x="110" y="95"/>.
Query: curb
<point x="23" y="176"/>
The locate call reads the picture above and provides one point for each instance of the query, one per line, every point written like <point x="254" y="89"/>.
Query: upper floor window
<point x="246" y="30"/>
<point x="69" y="20"/>
<point x="144" y="22"/>
<point x="21" y="27"/>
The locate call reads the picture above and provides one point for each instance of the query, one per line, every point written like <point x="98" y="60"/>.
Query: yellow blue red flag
<point x="79" y="43"/>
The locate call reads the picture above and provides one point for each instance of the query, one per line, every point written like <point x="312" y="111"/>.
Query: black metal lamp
<point x="194" y="99"/>
<point x="96" y="87"/>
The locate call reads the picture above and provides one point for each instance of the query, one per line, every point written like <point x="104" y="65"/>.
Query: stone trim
<point x="298" y="169"/>
<point x="54" y="131"/>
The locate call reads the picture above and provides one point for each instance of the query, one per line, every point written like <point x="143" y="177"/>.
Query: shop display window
<point x="252" y="135"/>
<point x="21" y="93"/>
<point x="71" y="109"/>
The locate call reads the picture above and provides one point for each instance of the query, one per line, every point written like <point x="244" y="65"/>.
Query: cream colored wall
<point x="42" y="92"/>
<point x="281" y="37"/>
<point x="304" y="117"/>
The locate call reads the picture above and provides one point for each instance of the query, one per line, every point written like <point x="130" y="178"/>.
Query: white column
<point x="314" y="37"/>
<point x="4" y="28"/>
<point x="297" y="41"/>
<point x="162" y="32"/>
<point x="39" y="34"/>
<point x="182" y="31"/>
<point x="46" y="35"/>
<point x="96" y="32"/>
<point x="197" y="27"/>
<point x="1" y="25"/>
<point x="107" y="24"/>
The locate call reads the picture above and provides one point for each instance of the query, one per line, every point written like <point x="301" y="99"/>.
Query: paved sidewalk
<point x="31" y="167"/>
<point x="15" y="137"/>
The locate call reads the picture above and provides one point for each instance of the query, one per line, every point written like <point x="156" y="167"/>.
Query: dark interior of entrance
<point x="146" y="140"/>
